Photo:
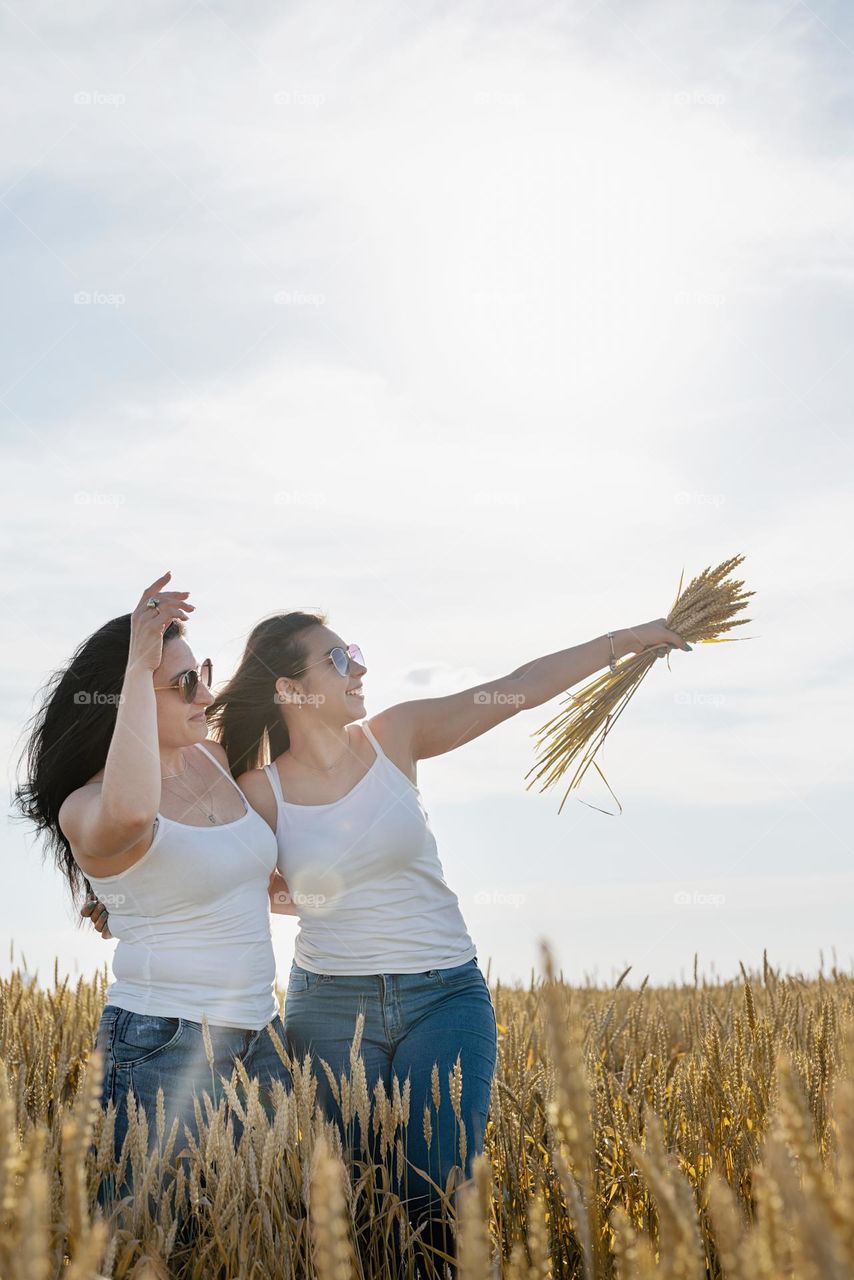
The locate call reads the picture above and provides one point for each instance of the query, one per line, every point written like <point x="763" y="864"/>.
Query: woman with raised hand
<point x="140" y="808"/>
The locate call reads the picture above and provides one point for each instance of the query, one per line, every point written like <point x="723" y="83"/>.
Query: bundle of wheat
<point x="700" y="614"/>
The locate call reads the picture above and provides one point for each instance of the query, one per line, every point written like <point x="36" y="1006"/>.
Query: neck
<point x="317" y="745"/>
<point x="172" y="760"/>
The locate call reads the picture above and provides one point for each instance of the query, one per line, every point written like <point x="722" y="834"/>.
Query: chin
<point x="355" y="709"/>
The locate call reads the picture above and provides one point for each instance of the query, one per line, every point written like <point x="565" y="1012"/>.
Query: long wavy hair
<point x="245" y="717"/>
<point x="69" y="735"/>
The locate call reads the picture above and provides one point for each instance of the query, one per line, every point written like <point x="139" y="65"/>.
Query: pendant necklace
<point x="204" y="808"/>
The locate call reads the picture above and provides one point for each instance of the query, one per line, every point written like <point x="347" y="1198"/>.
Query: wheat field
<point x="680" y="1132"/>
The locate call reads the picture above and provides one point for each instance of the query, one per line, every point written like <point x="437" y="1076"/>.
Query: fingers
<point x="164" y="597"/>
<point x="98" y="914"/>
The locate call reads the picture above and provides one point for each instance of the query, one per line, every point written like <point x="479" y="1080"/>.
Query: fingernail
<point x="689" y="648"/>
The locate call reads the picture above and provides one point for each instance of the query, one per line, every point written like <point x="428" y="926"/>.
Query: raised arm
<point x="429" y="727"/>
<point x="105" y="820"/>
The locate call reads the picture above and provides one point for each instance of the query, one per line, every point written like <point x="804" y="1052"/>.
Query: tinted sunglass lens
<point x="207" y="673"/>
<point x="356" y="654"/>
<point x="339" y="657"/>
<point x="189" y="683"/>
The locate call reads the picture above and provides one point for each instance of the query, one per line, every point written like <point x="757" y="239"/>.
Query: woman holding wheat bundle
<point x="380" y="931"/>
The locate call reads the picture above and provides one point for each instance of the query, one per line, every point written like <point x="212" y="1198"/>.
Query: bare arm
<point x="433" y="726"/>
<point x="255" y="785"/>
<point x="106" y="819"/>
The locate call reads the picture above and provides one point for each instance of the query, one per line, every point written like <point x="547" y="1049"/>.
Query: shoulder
<point x="392" y="729"/>
<point x="217" y="750"/>
<point x="256" y="786"/>
<point x="74" y="806"/>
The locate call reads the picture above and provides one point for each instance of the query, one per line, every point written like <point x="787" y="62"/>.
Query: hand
<point x="94" y="910"/>
<point x="652" y="635"/>
<point x="147" y="625"/>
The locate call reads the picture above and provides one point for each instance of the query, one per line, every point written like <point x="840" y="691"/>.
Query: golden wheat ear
<point x="701" y="614"/>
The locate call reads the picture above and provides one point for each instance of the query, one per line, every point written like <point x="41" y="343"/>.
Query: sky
<point x="475" y="326"/>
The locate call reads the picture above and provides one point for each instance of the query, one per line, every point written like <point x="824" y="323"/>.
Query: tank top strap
<point x="210" y="755"/>
<point x="363" y="725"/>
<point x="273" y="774"/>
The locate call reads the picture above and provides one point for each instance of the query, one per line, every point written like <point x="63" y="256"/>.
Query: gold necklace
<point x="205" y="810"/>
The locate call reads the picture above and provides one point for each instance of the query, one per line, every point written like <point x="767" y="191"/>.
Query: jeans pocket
<point x="139" y="1036"/>
<point x="104" y="1034"/>
<point x="460" y="973"/>
<point x="297" y="979"/>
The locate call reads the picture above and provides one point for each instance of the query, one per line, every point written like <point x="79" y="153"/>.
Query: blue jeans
<point x="145" y="1052"/>
<point x="412" y="1021"/>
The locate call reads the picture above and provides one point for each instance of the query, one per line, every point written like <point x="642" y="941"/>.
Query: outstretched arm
<point x="433" y="726"/>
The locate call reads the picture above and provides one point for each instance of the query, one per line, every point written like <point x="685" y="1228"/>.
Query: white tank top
<point x="365" y="874"/>
<point x="193" y="922"/>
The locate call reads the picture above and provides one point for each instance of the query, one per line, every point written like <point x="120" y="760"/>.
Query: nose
<point x="203" y="697"/>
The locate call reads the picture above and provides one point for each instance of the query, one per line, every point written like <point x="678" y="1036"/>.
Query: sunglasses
<point x="341" y="659"/>
<point x="187" y="683"/>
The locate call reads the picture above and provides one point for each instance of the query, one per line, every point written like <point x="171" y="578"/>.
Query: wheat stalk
<point x="701" y="614"/>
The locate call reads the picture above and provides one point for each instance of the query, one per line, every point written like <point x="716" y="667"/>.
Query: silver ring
<point x="151" y="603"/>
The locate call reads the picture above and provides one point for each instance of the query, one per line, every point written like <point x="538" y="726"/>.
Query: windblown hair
<point x="246" y="717"/>
<point x="69" y="735"/>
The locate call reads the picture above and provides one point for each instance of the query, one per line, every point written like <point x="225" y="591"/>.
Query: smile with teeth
<point x="358" y="691"/>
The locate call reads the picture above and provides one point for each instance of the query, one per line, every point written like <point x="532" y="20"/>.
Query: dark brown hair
<point x="69" y="735"/>
<point x="245" y="716"/>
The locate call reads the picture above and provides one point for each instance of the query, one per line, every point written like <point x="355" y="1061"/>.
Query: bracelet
<point x="613" y="660"/>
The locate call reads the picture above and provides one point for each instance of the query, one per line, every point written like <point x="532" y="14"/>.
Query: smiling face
<point x="320" y="688"/>
<point x="179" y="723"/>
